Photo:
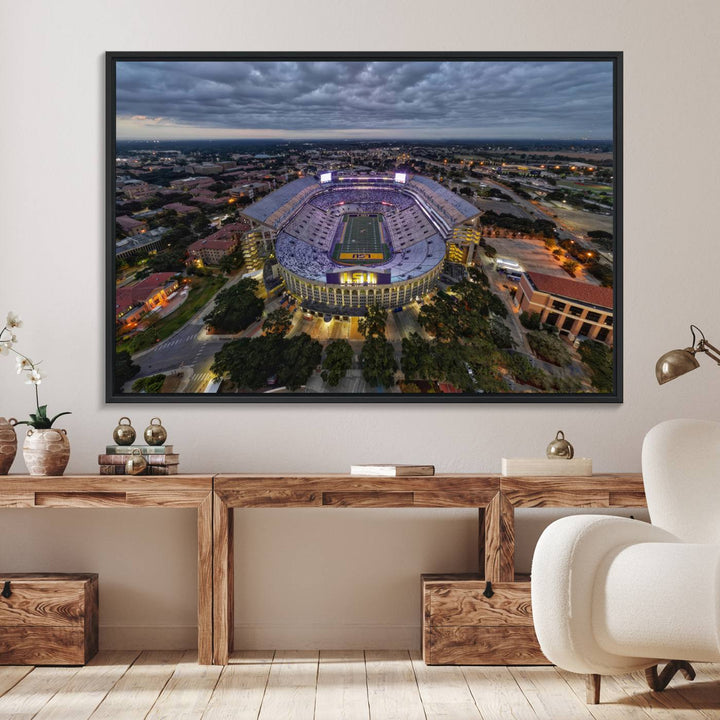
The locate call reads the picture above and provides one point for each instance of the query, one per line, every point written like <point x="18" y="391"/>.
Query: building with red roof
<point x="130" y="226"/>
<point x="211" y="249"/>
<point x="575" y="308"/>
<point x="132" y="302"/>
<point x="180" y="208"/>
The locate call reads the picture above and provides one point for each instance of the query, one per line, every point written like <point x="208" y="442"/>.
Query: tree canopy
<point x="338" y="360"/>
<point x="236" y="307"/>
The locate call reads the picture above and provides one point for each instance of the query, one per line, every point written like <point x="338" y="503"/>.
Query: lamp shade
<point x="675" y="363"/>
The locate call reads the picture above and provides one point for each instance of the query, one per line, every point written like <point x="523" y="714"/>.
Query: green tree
<point x="250" y="362"/>
<point x="338" y="360"/>
<point x="377" y="360"/>
<point x="124" y="369"/>
<point x="500" y="334"/>
<point x="247" y="362"/>
<point x="236" y="307"/>
<point x="373" y="324"/>
<point x="549" y="348"/>
<point x="278" y="322"/>
<point x="299" y="357"/>
<point x="169" y="260"/>
<point x="570" y="267"/>
<point x="233" y="261"/>
<point x="530" y="320"/>
<point x="599" y="359"/>
<point x="150" y="385"/>
<point x="201" y="225"/>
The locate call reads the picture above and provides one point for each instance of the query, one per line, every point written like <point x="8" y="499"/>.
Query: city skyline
<point x="360" y="100"/>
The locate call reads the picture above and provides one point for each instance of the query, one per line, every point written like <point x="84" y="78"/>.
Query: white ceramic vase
<point x="46" y="451"/>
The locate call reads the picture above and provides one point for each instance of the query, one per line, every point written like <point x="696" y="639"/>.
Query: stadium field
<point x="362" y="241"/>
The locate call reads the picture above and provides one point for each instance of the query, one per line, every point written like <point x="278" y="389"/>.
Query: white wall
<point x="320" y="577"/>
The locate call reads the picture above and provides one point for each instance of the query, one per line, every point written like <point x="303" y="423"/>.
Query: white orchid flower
<point x="23" y="364"/>
<point x="35" y="377"/>
<point x="13" y="320"/>
<point x="5" y="346"/>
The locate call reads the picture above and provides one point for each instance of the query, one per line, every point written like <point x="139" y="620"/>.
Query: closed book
<point x="392" y="470"/>
<point x="112" y="469"/>
<point x="162" y="470"/>
<point x="144" y="449"/>
<point x="149" y="470"/>
<point x="173" y="459"/>
<point x="547" y="467"/>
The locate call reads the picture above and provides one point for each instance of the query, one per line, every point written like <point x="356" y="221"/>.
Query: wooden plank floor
<point x="344" y="685"/>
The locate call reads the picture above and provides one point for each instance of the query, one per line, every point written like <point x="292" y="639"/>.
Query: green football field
<point x="362" y="241"/>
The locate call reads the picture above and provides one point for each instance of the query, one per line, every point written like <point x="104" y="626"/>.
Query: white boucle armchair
<point x="613" y="595"/>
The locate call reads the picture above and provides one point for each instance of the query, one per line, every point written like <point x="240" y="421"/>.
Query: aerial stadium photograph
<point x="328" y="227"/>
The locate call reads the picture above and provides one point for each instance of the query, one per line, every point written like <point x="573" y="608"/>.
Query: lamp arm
<point x="710" y="350"/>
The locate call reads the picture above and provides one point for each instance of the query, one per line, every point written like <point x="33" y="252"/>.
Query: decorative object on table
<point x="144" y="449"/>
<point x="8" y="444"/>
<point x="48" y="618"/>
<point x="155" y="433"/>
<point x="678" y="362"/>
<point x="157" y="459"/>
<point x="46" y="449"/>
<point x="546" y="467"/>
<point x="124" y="433"/>
<point x="135" y="464"/>
<point x="337" y="262"/>
<point x="392" y="470"/>
<point x="560" y="448"/>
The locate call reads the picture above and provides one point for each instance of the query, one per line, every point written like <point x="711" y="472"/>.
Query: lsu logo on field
<point x="361" y="256"/>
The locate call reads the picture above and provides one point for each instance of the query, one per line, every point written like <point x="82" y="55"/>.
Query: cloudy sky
<point x="403" y="100"/>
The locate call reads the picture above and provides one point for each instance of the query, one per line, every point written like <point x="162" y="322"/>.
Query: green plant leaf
<point x="67" y="412"/>
<point x="42" y="411"/>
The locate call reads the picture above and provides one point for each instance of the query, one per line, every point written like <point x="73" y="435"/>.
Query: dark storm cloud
<point x="420" y="99"/>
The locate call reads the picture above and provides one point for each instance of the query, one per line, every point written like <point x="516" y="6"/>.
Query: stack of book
<point x="160" y="459"/>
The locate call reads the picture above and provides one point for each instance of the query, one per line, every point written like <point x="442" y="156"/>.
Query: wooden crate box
<point x="48" y="618"/>
<point x="461" y="626"/>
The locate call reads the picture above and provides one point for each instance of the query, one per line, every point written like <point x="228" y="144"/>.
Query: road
<point x="190" y="349"/>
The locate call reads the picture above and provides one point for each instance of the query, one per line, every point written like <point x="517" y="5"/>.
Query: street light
<point x="678" y="362"/>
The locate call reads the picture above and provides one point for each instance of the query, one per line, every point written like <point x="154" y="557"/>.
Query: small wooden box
<point x="461" y="626"/>
<point x="48" y="618"/>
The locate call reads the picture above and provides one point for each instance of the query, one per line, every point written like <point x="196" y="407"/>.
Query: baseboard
<point x="327" y="637"/>
<point x="148" y="637"/>
<point x="265" y="636"/>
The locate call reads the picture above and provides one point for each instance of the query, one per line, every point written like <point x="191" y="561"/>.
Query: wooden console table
<point x="125" y="491"/>
<point x="215" y="497"/>
<point x="495" y="497"/>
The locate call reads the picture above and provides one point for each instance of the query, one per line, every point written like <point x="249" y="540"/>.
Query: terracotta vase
<point x="8" y="444"/>
<point x="46" y="452"/>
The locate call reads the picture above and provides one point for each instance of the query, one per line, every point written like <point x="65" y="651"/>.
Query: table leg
<point x="223" y="581"/>
<point x="481" y="541"/>
<point x="499" y="518"/>
<point x="205" y="580"/>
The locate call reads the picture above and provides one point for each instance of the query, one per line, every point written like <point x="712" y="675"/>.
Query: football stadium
<point x="346" y="240"/>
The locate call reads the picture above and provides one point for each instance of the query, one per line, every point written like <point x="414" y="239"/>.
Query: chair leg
<point x="592" y="689"/>
<point x="658" y="682"/>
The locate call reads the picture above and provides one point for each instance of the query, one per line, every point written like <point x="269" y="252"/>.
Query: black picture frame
<point x="113" y="395"/>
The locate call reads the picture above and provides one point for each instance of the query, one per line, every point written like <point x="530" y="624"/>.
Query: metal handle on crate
<point x="6" y="592"/>
<point x="488" y="591"/>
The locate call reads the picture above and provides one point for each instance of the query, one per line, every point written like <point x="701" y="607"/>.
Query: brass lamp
<point x="677" y="362"/>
